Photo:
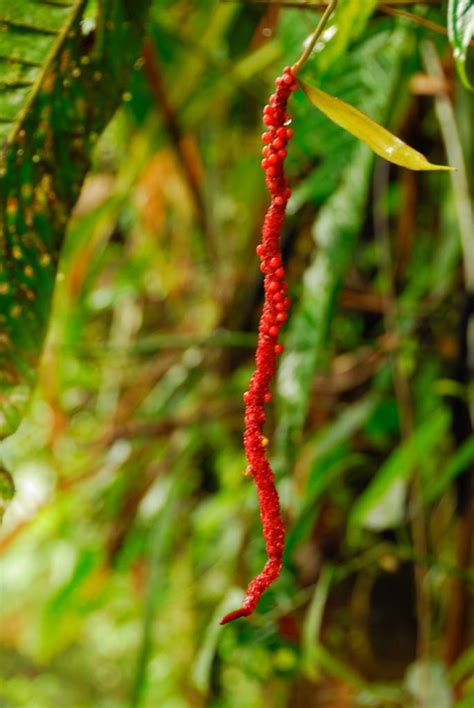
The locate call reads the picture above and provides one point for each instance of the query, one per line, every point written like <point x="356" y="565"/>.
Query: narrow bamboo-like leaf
<point x="459" y="462"/>
<point x="373" y="508"/>
<point x="313" y="622"/>
<point x="58" y="89"/>
<point x="346" y="24"/>
<point x="380" y="140"/>
<point x="460" y="32"/>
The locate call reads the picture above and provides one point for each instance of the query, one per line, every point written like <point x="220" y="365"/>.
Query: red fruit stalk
<point x="274" y="314"/>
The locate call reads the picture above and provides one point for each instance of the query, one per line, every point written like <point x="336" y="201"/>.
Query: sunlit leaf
<point x="460" y="32"/>
<point x="380" y="140"/>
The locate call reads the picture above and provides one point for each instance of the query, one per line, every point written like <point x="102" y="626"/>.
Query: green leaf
<point x="381" y="505"/>
<point x="347" y="23"/>
<point x="380" y="140"/>
<point x="460" y="32"/>
<point x="58" y="89"/>
<point x="202" y="666"/>
<point x="313" y="622"/>
<point x="7" y="490"/>
<point x="335" y="232"/>
<point x="460" y="461"/>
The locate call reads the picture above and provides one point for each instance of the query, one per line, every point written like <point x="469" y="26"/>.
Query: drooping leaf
<point x="378" y="138"/>
<point x="58" y="89"/>
<point x="460" y="32"/>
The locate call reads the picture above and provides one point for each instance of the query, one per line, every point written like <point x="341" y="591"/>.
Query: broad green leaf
<point x="332" y="459"/>
<point x="381" y="504"/>
<point x="460" y="32"/>
<point x="380" y="140"/>
<point x="335" y="233"/>
<point x="58" y="89"/>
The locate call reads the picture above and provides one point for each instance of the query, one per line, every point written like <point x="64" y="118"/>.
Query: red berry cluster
<point x="274" y="314"/>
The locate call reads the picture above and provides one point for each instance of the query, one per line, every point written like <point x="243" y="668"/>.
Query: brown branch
<point x="422" y="21"/>
<point x="155" y="428"/>
<point x="323" y="6"/>
<point x="186" y="155"/>
<point x="459" y="601"/>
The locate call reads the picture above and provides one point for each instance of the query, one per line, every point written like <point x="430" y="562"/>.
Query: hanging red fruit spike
<point x="275" y="138"/>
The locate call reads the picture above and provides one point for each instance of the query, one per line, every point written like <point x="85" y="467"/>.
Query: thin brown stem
<point x="407" y="426"/>
<point x="187" y="160"/>
<point x="321" y="5"/>
<point x="422" y="21"/>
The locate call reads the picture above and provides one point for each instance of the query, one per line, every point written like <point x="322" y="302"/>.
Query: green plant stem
<point x="298" y="65"/>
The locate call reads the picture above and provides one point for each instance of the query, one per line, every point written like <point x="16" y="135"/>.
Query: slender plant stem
<point x="315" y="36"/>
<point x="407" y="425"/>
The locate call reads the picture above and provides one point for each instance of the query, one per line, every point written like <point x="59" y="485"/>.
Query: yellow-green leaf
<point x="380" y="140"/>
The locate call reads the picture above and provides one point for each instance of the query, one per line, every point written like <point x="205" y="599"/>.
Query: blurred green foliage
<point x="133" y="529"/>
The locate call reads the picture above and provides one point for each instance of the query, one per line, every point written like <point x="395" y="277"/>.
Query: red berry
<point x="272" y="171"/>
<point x="246" y="396"/>
<point x="268" y="120"/>
<point x="288" y="192"/>
<point x="275" y="262"/>
<point x="274" y="158"/>
<point x="266" y="151"/>
<point x="267" y="397"/>
<point x="282" y="154"/>
<point x="278" y="349"/>
<point x="277" y="144"/>
<point x="273" y="286"/>
<point x="265" y="163"/>
<point x="278" y="297"/>
<point x="279" y="200"/>
<point x="281" y="317"/>
<point x="289" y="133"/>
<point x="273" y="331"/>
<point x="280" y="273"/>
<point x="260" y="250"/>
<point x="267" y="137"/>
<point x="288" y="79"/>
<point x="281" y="133"/>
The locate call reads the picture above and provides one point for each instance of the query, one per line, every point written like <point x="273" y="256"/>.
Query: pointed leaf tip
<point x="380" y="140"/>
